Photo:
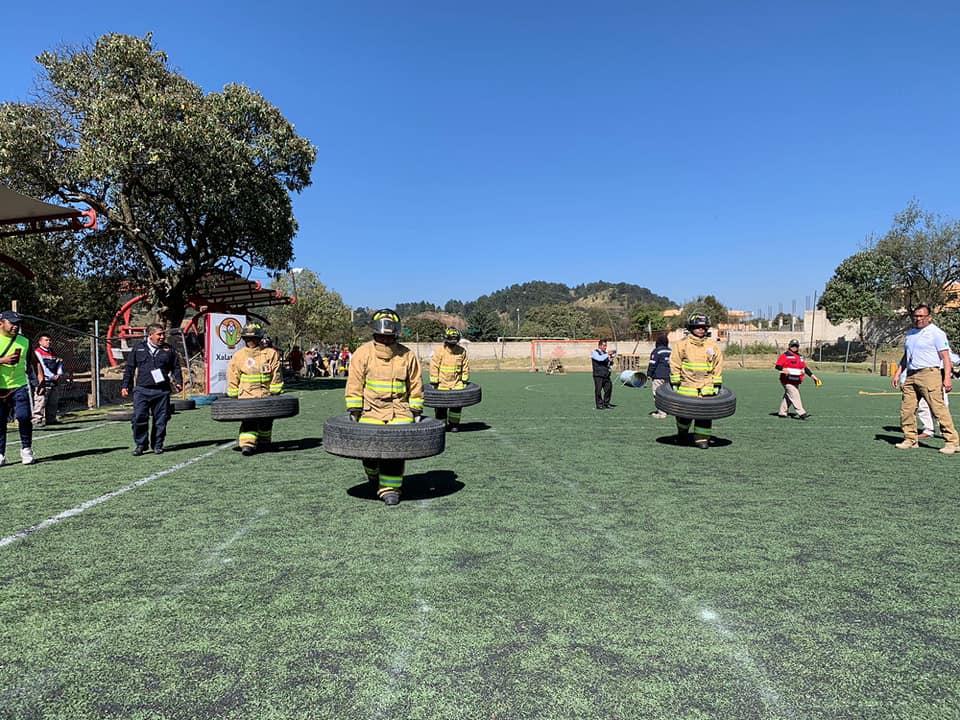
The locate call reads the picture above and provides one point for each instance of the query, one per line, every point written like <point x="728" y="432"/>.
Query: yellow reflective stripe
<point x="701" y="367"/>
<point x="434" y="379"/>
<point x="689" y="392"/>
<point x="251" y="436"/>
<point x="354" y="401"/>
<point x="276" y="389"/>
<point x="391" y="481"/>
<point x="416" y="403"/>
<point x="449" y="368"/>
<point x="254" y="378"/>
<point x="718" y="379"/>
<point x="395" y="421"/>
<point x="392" y="386"/>
<point x="674" y="378"/>
<point x="233" y="392"/>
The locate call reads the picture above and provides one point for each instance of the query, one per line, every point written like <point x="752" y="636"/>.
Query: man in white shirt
<point x="926" y="372"/>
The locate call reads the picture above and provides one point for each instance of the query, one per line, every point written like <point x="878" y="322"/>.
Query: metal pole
<point x="813" y="319"/>
<point x="846" y="356"/>
<point x="95" y="380"/>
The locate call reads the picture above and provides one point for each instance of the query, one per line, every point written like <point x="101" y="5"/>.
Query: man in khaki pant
<point x="927" y="367"/>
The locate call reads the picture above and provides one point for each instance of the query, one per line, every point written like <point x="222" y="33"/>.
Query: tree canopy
<point x="861" y="288"/>
<point x="706" y="304"/>
<point x="317" y="316"/>
<point x="924" y="250"/>
<point x="185" y="183"/>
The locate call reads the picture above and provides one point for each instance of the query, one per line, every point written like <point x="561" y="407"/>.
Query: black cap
<point x="11" y="316"/>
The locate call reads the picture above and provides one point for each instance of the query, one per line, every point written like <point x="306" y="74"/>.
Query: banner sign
<point x="223" y="338"/>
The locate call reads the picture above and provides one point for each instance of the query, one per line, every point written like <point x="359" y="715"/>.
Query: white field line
<point x="54" y="435"/>
<point x="385" y="704"/>
<point x="735" y="650"/>
<point x="82" y="507"/>
<point x="209" y="562"/>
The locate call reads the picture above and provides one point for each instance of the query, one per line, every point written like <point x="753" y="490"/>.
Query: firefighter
<point x="450" y="370"/>
<point x="696" y="370"/>
<point x="384" y="387"/>
<point x="254" y="372"/>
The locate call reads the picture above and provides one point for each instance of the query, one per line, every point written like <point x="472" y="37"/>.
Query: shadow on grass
<point x="676" y="442"/>
<point x="338" y="383"/>
<point x="422" y="486"/>
<point x="170" y="447"/>
<point x="41" y="458"/>
<point x="473" y="427"/>
<point x="893" y="439"/>
<point x="288" y="445"/>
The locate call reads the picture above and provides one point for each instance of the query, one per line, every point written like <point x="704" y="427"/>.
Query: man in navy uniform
<point x="157" y="369"/>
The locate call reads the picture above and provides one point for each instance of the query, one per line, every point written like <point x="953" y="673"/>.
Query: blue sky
<point x="735" y="149"/>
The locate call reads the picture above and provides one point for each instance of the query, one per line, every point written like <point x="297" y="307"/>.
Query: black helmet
<point x="451" y="336"/>
<point x="386" y="322"/>
<point x="697" y="320"/>
<point x="252" y="330"/>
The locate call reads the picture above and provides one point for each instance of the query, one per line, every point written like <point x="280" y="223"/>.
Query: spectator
<point x="157" y="370"/>
<point x="658" y="370"/>
<point x="49" y="375"/>
<point x="15" y="385"/>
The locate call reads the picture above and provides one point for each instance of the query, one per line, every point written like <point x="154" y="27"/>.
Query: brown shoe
<point x="949" y="449"/>
<point x="907" y="445"/>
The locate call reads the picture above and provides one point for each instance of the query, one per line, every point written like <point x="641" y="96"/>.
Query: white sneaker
<point x="26" y="456"/>
<point x="1" y="459"/>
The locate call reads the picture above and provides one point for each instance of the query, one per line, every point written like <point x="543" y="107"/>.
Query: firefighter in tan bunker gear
<point x="254" y="372"/>
<point x="384" y="387"/>
<point x="450" y="370"/>
<point x="696" y="370"/>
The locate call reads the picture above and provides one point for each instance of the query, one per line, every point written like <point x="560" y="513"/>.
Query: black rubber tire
<point x="269" y="408"/>
<point x="120" y="414"/>
<point x="408" y="441"/>
<point x="181" y="404"/>
<point x="712" y="407"/>
<point x="469" y="395"/>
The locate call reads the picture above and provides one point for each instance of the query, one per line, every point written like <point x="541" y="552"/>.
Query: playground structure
<point x="215" y="293"/>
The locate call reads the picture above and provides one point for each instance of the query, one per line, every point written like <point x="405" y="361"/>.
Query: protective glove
<point x="417" y="417"/>
<point x="675" y="387"/>
<point x="818" y="382"/>
<point x="355" y="415"/>
<point x="717" y="387"/>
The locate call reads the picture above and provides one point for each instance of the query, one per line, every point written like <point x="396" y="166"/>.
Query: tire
<point x="120" y="414"/>
<point x="268" y="408"/>
<point x="469" y="395"/>
<point x="181" y="404"/>
<point x="713" y="407"/>
<point x="346" y="438"/>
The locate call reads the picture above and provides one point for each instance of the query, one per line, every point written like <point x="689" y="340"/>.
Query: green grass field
<point x="555" y="562"/>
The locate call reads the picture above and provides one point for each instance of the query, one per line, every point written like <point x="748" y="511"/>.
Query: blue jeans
<point x="16" y="402"/>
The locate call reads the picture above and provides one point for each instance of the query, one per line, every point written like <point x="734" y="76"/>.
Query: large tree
<point x="860" y="289"/>
<point x="317" y="316"/>
<point x="185" y="183"/>
<point x="924" y="250"/>
<point x="706" y="304"/>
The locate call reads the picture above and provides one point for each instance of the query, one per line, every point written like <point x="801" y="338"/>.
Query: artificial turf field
<point x="554" y="562"/>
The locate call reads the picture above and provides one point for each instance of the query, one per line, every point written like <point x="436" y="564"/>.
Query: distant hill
<point x="596" y="294"/>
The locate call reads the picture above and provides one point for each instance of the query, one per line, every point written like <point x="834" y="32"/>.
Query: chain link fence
<point x="89" y="380"/>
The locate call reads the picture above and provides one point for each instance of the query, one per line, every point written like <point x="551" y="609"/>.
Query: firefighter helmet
<point x="386" y="322"/>
<point x="252" y="330"/>
<point x="451" y="336"/>
<point x="697" y="320"/>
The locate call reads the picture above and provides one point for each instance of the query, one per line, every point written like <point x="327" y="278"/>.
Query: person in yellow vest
<point x="15" y="385"/>
<point x="254" y="372"/>
<point x="696" y="370"/>
<point x="384" y="387"/>
<point x="450" y="370"/>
